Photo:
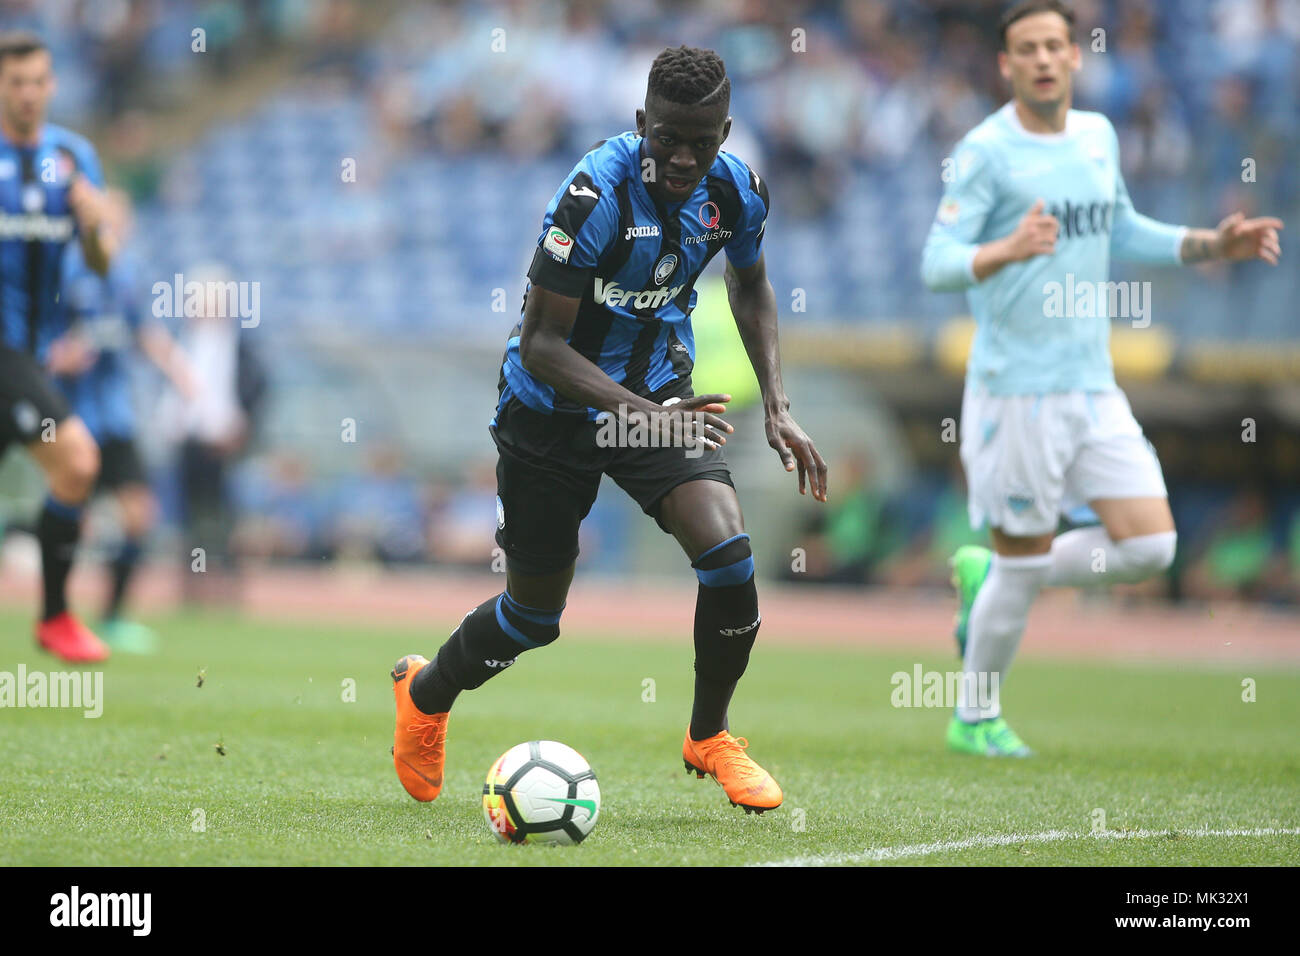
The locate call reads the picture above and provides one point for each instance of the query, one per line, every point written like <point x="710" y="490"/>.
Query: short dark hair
<point x="1027" y="8"/>
<point x="690" y="76"/>
<point x="20" y="43"/>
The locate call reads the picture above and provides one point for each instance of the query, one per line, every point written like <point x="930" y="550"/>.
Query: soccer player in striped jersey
<point x="603" y="354"/>
<point x="104" y="322"/>
<point x="50" y="184"/>
<point x="1035" y="212"/>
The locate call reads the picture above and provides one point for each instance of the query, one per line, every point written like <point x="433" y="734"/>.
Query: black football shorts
<point x="548" y="473"/>
<point x="120" y="464"/>
<point x="29" y="400"/>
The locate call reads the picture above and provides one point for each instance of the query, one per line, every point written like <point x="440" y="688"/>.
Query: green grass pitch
<point x="1166" y="752"/>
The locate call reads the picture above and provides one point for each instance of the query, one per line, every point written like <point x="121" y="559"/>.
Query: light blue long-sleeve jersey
<point x="1043" y="324"/>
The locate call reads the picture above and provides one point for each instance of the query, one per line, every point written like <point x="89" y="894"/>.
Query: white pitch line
<point x="887" y="853"/>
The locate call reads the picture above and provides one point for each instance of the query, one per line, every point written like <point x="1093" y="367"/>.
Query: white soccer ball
<point x="541" y="792"/>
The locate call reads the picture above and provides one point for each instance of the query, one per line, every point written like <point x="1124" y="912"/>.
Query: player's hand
<point x="87" y="203"/>
<point x="797" y="451"/>
<point x="1035" y="235"/>
<point x="70" y="354"/>
<point x="696" y="419"/>
<point x="1239" y="238"/>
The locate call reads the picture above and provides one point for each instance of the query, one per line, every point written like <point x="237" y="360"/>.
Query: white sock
<point x="997" y="621"/>
<point x="1087" y="556"/>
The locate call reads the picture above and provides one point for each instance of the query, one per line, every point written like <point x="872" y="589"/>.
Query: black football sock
<point x="123" y="569"/>
<point x="726" y="623"/>
<point x="488" y="641"/>
<point x="58" y="530"/>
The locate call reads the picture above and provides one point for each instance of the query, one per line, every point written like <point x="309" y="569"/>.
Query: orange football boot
<point x="723" y="757"/>
<point x="420" y="739"/>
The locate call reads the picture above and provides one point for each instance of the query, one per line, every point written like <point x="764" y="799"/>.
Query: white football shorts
<point x="1030" y="459"/>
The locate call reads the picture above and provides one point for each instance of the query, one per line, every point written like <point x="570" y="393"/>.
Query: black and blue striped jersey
<point x="633" y="261"/>
<point x="109" y="313"/>
<point x="36" y="224"/>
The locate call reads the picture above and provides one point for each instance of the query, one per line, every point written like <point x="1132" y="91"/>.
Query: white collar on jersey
<point x="1012" y="118"/>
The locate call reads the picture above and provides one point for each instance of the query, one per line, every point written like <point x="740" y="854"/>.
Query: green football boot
<point x="988" y="738"/>
<point x="128" y="636"/>
<point x="970" y="566"/>
<point x="1002" y="741"/>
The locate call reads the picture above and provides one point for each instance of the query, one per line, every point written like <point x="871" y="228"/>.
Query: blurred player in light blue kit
<point x="91" y="364"/>
<point x="1035" y="210"/>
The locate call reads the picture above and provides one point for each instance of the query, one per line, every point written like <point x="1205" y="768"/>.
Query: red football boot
<point x="65" y="636"/>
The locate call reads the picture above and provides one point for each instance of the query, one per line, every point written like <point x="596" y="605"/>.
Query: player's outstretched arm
<point x="1236" y="239"/>
<point x="1137" y="238"/>
<point x="753" y="303"/>
<point x="546" y="355"/>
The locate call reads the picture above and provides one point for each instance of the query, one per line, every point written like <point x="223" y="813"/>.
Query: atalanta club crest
<point x="665" y="269"/>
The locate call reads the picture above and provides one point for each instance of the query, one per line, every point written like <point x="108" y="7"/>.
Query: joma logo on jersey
<point x="640" y="232"/>
<point x="36" y="227"/>
<point x="612" y="294"/>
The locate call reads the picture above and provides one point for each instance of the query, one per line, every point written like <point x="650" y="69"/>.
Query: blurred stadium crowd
<point x="459" y="134"/>
<point x="851" y="135"/>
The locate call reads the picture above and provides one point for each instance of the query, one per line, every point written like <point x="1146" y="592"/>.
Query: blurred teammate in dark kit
<point x="50" y="196"/>
<point x="107" y="322"/>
